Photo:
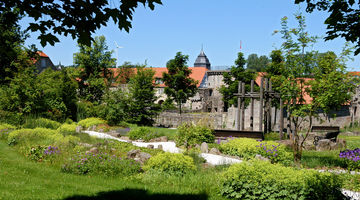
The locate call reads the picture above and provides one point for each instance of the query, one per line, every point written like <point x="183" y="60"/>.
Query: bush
<point x="11" y="117"/>
<point x="172" y="163"/>
<point x="247" y="148"/>
<point x="144" y="133"/>
<point x="5" y="129"/>
<point x="92" y="121"/>
<point x="272" y="136"/>
<point x="67" y="129"/>
<point x="263" y="180"/>
<point x="41" y="123"/>
<point x="102" y="163"/>
<point x="40" y="136"/>
<point x="190" y="134"/>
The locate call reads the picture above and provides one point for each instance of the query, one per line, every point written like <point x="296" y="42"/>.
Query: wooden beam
<point x="239" y="106"/>
<point x="243" y="107"/>
<point x="252" y="107"/>
<point x="261" y="104"/>
<point x="281" y="119"/>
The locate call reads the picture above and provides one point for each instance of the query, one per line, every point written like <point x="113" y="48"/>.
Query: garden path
<point x="171" y="147"/>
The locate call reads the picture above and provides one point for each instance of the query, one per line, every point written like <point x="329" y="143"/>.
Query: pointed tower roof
<point x="202" y="60"/>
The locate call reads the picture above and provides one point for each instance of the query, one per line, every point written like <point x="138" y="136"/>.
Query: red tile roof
<point x="198" y="73"/>
<point x="42" y="54"/>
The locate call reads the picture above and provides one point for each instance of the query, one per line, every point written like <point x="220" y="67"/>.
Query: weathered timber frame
<point x="266" y="95"/>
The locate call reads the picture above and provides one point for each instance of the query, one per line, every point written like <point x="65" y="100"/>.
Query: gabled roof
<point x="197" y="73"/>
<point x="42" y="54"/>
<point x="306" y="96"/>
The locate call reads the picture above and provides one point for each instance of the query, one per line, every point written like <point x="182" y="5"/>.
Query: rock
<point x="204" y="148"/>
<point x="341" y="143"/>
<point x="323" y="145"/>
<point x="125" y="138"/>
<point x="78" y="129"/>
<point x="140" y="140"/>
<point x="139" y="156"/>
<point x="94" y="150"/>
<point x="163" y="139"/>
<point x="334" y="146"/>
<point x="159" y="139"/>
<point x="132" y="153"/>
<point x="215" y="151"/>
<point x="260" y="157"/>
<point x="142" y="157"/>
<point x="101" y="130"/>
<point x="160" y="147"/>
<point x="85" y="145"/>
<point x="197" y="146"/>
<point x="150" y="146"/>
<point x="112" y="149"/>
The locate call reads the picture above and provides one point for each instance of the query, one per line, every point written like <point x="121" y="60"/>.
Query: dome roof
<point x="202" y="60"/>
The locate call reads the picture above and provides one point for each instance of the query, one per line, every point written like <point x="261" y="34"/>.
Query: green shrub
<point x="263" y="180"/>
<point x="247" y="148"/>
<point x="41" y="123"/>
<point x="102" y="163"/>
<point x="172" y="163"/>
<point x="144" y="133"/>
<point x="272" y="136"/>
<point x="189" y="134"/>
<point x="40" y="136"/>
<point x="92" y="121"/>
<point x="5" y="129"/>
<point x="67" y="129"/>
<point x="14" y="118"/>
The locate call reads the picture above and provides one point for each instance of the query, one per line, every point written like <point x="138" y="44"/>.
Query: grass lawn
<point x="24" y="179"/>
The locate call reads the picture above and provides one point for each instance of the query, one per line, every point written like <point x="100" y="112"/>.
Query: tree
<point x="257" y="64"/>
<point x="76" y="18"/>
<point x="344" y="19"/>
<point x="93" y="62"/>
<point x="329" y="87"/>
<point x="179" y="86"/>
<point x="11" y="41"/>
<point x="142" y="107"/>
<point x="231" y="80"/>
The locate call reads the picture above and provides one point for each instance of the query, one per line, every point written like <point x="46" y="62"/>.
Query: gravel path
<point x="171" y="147"/>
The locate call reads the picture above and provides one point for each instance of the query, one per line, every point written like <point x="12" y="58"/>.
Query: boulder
<point x="163" y="139"/>
<point x="101" y="130"/>
<point x="341" y="143"/>
<point x="94" y="150"/>
<point x="150" y="146"/>
<point x="78" y="129"/>
<point x="215" y="151"/>
<point x="85" y="145"/>
<point x="204" y="148"/>
<point x="260" y="157"/>
<point x="160" y="147"/>
<point x="139" y="156"/>
<point x="323" y="145"/>
<point x="132" y="153"/>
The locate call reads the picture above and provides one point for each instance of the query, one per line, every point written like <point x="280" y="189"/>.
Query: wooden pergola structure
<point x="266" y="95"/>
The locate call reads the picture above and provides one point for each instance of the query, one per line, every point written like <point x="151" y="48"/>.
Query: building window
<point x="210" y="92"/>
<point x="43" y="63"/>
<point x="158" y="81"/>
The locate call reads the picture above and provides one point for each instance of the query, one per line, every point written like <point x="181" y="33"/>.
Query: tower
<point x="202" y="60"/>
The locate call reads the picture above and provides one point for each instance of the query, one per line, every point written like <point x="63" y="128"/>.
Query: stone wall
<point x="228" y="120"/>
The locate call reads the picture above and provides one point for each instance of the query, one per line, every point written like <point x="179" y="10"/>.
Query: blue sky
<point x="186" y="25"/>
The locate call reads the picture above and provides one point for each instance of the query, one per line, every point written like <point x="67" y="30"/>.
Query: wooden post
<point x="281" y="119"/>
<point x="269" y="109"/>
<point x="288" y="122"/>
<point x="239" y="106"/>
<point x="243" y="107"/>
<point x="261" y="104"/>
<point x="266" y="111"/>
<point x="252" y="106"/>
